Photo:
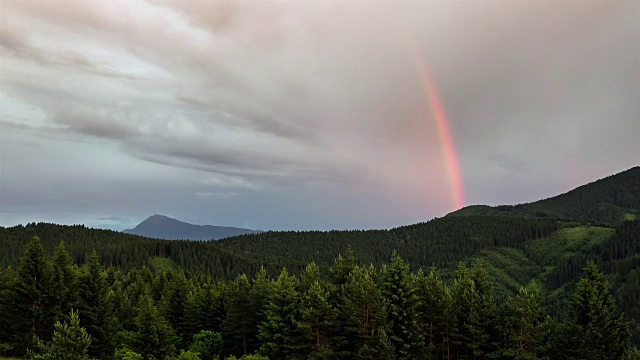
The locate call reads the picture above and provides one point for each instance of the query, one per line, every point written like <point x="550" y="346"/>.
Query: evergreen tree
<point x="379" y="348"/>
<point x="342" y="267"/>
<point x="310" y="276"/>
<point x="32" y="307"/>
<point x="523" y="325"/>
<point x="174" y="300"/>
<point x="260" y="292"/>
<point x="318" y="325"/>
<point x="475" y="313"/>
<point x="399" y="289"/>
<point x="191" y="323"/>
<point x="431" y="290"/>
<point x="64" y="283"/>
<point x="153" y="336"/>
<point x="70" y="341"/>
<point x="96" y="310"/>
<point x="595" y="329"/>
<point x="207" y="344"/>
<point x="363" y="311"/>
<point x="279" y="332"/>
<point x="240" y="323"/>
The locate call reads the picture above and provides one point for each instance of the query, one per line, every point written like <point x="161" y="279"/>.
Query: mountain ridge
<point x="168" y="228"/>
<point x="610" y="200"/>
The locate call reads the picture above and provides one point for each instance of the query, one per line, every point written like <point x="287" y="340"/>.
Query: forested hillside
<point x="548" y="243"/>
<point x="53" y="309"/>
<point x="611" y="200"/>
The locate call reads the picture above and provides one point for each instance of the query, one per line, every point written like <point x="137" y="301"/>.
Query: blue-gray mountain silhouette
<point x="164" y="227"/>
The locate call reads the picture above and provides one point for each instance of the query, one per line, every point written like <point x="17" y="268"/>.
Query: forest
<point x="54" y="309"/>
<point x="554" y="279"/>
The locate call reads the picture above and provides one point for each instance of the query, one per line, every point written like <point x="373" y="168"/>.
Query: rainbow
<point x="451" y="160"/>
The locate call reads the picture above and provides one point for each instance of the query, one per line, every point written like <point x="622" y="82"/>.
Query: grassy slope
<point x="536" y="259"/>
<point x="163" y="264"/>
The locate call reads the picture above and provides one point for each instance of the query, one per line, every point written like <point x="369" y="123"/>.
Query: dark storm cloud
<point x="307" y="114"/>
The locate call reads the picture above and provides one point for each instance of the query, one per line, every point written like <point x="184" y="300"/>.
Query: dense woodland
<point x="53" y="309"/>
<point x="556" y="279"/>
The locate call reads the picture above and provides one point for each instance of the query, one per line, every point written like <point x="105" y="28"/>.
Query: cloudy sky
<point x="307" y="114"/>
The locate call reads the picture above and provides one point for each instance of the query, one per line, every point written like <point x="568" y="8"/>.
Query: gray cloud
<point x="312" y="110"/>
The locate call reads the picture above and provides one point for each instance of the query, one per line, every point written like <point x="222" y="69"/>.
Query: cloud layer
<point x="281" y="114"/>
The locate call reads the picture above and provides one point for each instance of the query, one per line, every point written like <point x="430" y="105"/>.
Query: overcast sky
<point x="307" y="114"/>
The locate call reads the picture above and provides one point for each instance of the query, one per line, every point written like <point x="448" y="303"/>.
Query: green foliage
<point x="318" y="324"/>
<point x="207" y="344"/>
<point x="162" y="264"/>
<point x="96" y="309"/>
<point x="70" y="341"/>
<point x="523" y="325"/>
<point x="153" y="336"/>
<point x="32" y="303"/>
<point x="400" y="292"/>
<point x="279" y="330"/>
<point x="595" y="329"/>
<point x="363" y="308"/>
<point x="127" y="354"/>
<point x="188" y="355"/>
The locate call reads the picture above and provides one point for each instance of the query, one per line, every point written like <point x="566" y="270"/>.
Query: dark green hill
<point x="610" y="200"/>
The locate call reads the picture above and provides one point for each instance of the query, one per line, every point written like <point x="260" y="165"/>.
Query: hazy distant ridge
<point x="164" y="227"/>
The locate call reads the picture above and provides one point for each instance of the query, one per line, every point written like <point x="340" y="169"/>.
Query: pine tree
<point x="64" y="283"/>
<point x="342" y="267"/>
<point x="399" y="289"/>
<point x="379" y="348"/>
<point x="431" y="290"/>
<point x="310" y="276"/>
<point x="96" y="309"/>
<point x="523" y="325"/>
<point x="279" y="332"/>
<point x="207" y="344"/>
<point x="174" y="299"/>
<point x="260" y="292"/>
<point x="595" y="329"/>
<point x="32" y="304"/>
<point x="475" y="313"/>
<point x="318" y="324"/>
<point x="70" y="340"/>
<point x="363" y="311"/>
<point x="153" y="336"/>
<point x="240" y="323"/>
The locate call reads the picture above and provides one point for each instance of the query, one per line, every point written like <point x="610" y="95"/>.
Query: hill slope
<point x="611" y="200"/>
<point x="163" y="227"/>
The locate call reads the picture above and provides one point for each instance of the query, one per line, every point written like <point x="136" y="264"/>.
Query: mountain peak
<point x="168" y="228"/>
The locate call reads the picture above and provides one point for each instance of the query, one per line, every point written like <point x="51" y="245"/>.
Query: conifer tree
<point x="475" y="313"/>
<point x="595" y="328"/>
<point x="342" y="267"/>
<point x="523" y="325"/>
<point x="153" y="336"/>
<point x="399" y="289"/>
<point x="363" y="311"/>
<point x="279" y="331"/>
<point x="431" y="290"/>
<point x="70" y="341"/>
<point x="260" y="292"/>
<point x="174" y="299"/>
<point x="64" y="283"/>
<point x="32" y="304"/>
<point x="318" y="325"/>
<point x="96" y="309"/>
<point x="240" y="323"/>
<point x="191" y="323"/>
<point x="310" y="276"/>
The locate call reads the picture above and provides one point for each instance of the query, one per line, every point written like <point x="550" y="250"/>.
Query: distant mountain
<point x="164" y="227"/>
<point x="611" y="200"/>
